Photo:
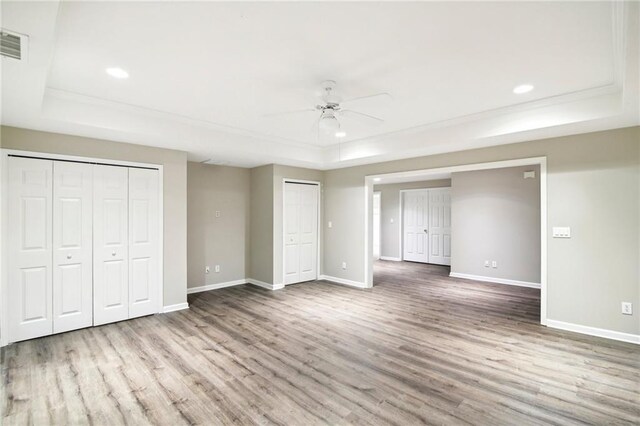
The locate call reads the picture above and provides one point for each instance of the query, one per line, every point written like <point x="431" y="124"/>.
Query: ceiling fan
<point x="332" y="111"/>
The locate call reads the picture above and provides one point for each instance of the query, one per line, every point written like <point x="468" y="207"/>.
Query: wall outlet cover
<point x="627" y="308"/>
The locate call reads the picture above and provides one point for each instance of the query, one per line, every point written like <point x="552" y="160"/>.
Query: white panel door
<point x="30" y="248"/>
<point x="72" y="246"/>
<point x="440" y="226"/>
<point x="415" y="226"/>
<point x="144" y="249"/>
<point x="300" y="225"/>
<point x="110" y="244"/>
<point x="376" y="224"/>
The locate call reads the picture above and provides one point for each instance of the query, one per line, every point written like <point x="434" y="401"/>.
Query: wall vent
<point x="13" y="45"/>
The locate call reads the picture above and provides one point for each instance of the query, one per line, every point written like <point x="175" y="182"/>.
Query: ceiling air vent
<point x="12" y="45"/>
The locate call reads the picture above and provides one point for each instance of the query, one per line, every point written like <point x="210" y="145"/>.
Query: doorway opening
<point x="486" y="220"/>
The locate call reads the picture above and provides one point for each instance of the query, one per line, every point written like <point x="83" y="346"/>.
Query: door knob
<point x="113" y="253"/>
<point x="426" y="231"/>
<point x="68" y="256"/>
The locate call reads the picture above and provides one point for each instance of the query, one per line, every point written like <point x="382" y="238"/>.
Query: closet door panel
<point x="308" y="232"/>
<point x="291" y="224"/>
<point x="30" y="248"/>
<point x="72" y="246"/>
<point x="110" y="244"/>
<point x="144" y="247"/>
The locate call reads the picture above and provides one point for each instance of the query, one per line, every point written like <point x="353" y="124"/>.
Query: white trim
<point x="265" y="285"/>
<point x="4" y="159"/>
<point x="319" y="224"/>
<point x="343" y="281"/>
<point x="543" y="240"/>
<point x="392" y="259"/>
<point x="215" y="286"/>
<point x="593" y="331"/>
<point x="176" y="307"/>
<point x="425" y="173"/>
<point x="4" y="280"/>
<point x="494" y="280"/>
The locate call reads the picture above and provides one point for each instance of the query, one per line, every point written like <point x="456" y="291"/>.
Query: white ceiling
<point x="202" y="75"/>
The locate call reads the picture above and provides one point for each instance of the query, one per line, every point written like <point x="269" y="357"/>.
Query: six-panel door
<point x="416" y="226"/>
<point x="30" y="248"/>
<point x="110" y="244"/>
<point x="72" y="246"/>
<point x="440" y="226"/>
<point x="144" y="249"/>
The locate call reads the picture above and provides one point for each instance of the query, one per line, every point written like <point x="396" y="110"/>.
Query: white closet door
<point x="415" y="224"/>
<point x="30" y="248"/>
<point x="300" y="232"/>
<point x="72" y="246"/>
<point x="110" y="244"/>
<point x="440" y="226"/>
<point x="144" y="250"/>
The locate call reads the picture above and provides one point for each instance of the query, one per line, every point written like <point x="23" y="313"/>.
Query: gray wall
<point x="390" y="209"/>
<point x="261" y="218"/>
<point x="174" y="193"/>
<point x="593" y="186"/>
<point x="215" y="240"/>
<point x="495" y="215"/>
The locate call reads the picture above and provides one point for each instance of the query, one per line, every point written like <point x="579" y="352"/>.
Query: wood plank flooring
<point x="418" y="348"/>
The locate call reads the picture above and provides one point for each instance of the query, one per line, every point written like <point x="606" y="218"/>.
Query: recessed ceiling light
<point x="523" y="88"/>
<point x="116" y="72"/>
<point x="377" y="179"/>
<point x="341" y="134"/>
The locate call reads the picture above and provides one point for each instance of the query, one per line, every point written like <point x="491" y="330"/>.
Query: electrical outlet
<point x="494" y="264"/>
<point x="207" y="269"/>
<point x="217" y="213"/>
<point x="217" y="268"/>
<point x="391" y="220"/>
<point x="627" y="308"/>
<point x="486" y="263"/>
<point x="344" y="265"/>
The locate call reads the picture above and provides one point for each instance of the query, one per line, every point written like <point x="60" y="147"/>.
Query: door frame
<point x="319" y="221"/>
<point x="401" y="215"/>
<point x="425" y="173"/>
<point x="4" y="226"/>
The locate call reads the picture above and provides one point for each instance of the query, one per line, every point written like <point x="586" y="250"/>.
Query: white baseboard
<point x="393" y="259"/>
<point x="176" y="307"/>
<point x="593" y="331"/>
<point x="215" y="286"/>
<point x="494" y="280"/>
<point x="342" y="281"/>
<point x="265" y="285"/>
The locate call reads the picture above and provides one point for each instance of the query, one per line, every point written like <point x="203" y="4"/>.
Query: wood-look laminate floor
<point x="417" y="348"/>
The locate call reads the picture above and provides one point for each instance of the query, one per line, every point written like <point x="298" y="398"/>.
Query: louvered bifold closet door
<point x="144" y="248"/>
<point x="110" y="244"/>
<point x="29" y="248"/>
<point x="72" y="246"/>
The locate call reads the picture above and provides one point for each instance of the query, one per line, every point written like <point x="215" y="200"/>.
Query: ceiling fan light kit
<point x="332" y="112"/>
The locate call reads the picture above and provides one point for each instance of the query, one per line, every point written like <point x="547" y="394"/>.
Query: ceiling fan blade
<point x="360" y="116"/>
<point x="380" y="97"/>
<point x="295" y="111"/>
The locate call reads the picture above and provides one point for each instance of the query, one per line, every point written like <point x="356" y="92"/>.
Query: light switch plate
<point x="330" y="224"/>
<point x="561" y="232"/>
